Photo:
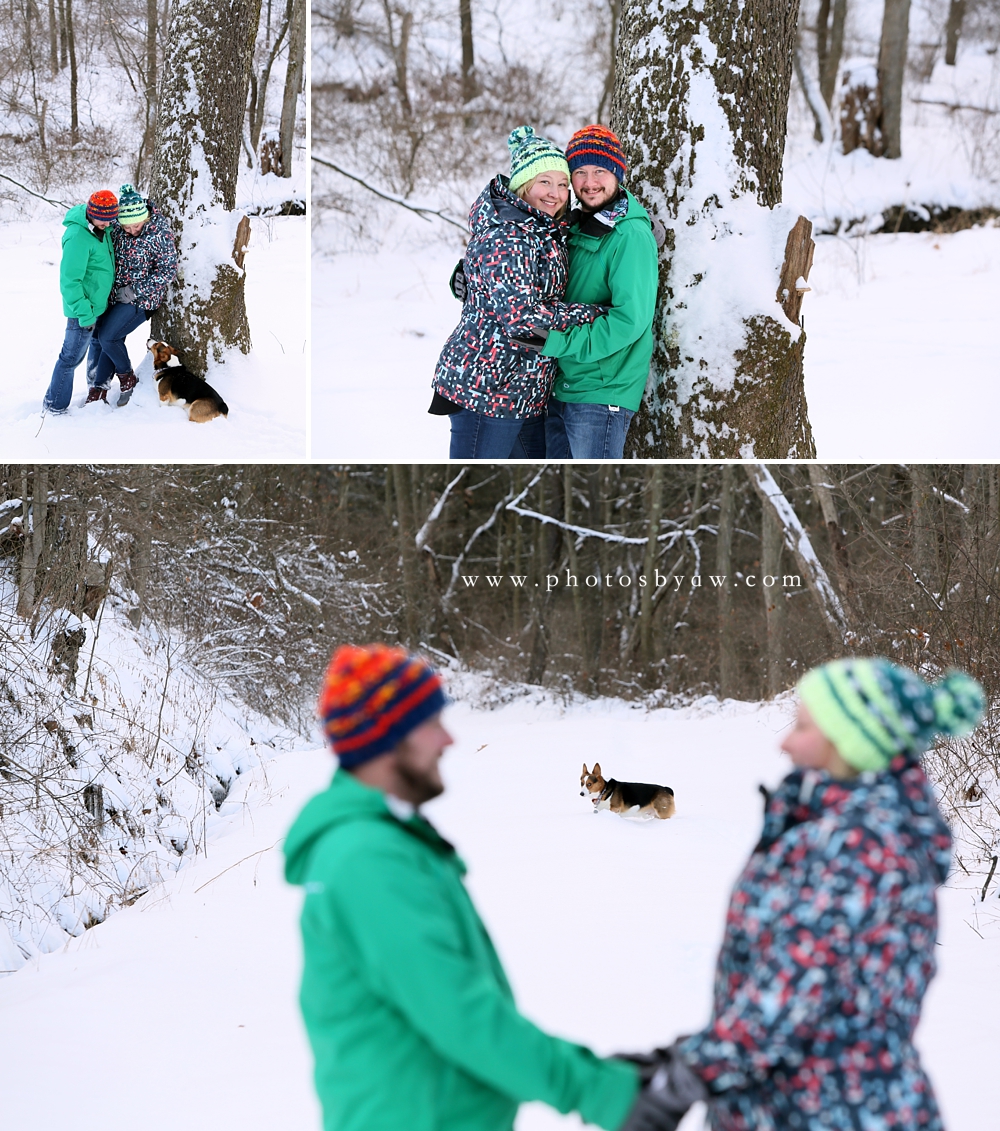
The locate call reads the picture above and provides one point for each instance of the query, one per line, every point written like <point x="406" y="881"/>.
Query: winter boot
<point x="96" y="393"/>
<point x="128" y="382"/>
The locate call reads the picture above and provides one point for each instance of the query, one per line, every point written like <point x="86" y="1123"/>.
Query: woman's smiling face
<point x="548" y="192"/>
<point x="133" y="229"/>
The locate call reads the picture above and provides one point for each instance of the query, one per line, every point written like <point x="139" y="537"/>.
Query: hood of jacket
<point x="497" y="205"/>
<point x="897" y="803"/>
<point x="345" y="801"/>
<point x="76" y="217"/>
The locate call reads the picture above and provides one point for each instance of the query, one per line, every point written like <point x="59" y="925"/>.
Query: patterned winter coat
<point x="828" y="950"/>
<point x="515" y="271"/>
<point x="147" y="262"/>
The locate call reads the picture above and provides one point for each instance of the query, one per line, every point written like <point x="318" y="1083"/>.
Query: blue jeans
<point x="108" y="354"/>
<point x="474" y="436"/>
<point x="74" y="350"/>
<point x="585" y="431"/>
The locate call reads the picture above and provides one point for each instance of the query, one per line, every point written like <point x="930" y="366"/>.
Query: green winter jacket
<point x="607" y="361"/>
<point x="87" y="269"/>
<point x="411" y="1020"/>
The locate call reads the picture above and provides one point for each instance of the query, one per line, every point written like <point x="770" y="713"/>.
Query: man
<point x="603" y="366"/>
<point x="86" y="276"/>
<point x="411" y="1019"/>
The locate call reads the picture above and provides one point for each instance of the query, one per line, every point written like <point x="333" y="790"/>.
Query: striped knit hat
<point x="531" y="155"/>
<point x="596" y="145"/>
<point x="872" y="709"/>
<point x="132" y="207"/>
<point x="103" y="205"/>
<point x="372" y="698"/>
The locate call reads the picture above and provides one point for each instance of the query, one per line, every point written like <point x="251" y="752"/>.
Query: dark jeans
<point x="585" y="431"/>
<point x="474" y="436"/>
<point x="74" y="350"/>
<point x="108" y="354"/>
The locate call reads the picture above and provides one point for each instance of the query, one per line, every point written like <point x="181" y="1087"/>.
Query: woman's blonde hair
<point x="527" y="185"/>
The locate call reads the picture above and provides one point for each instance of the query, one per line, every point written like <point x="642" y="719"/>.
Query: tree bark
<point x="819" y="478"/>
<point x="74" y="109"/>
<point x="891" y="71"/>
<point x="654" y="511"/>
<point x="195" y="168"/>
<point x="53" y="38"/>
<point x="723" y="568"/>
<point x="294" y="83"/>
<point x="152" y="53"/>
<point x="953" y="29"/>
<point x="407" y="552"/>
<point x="468" y="51"/>
<point x="772" y="539"/>
<point x="701" y="103"/>
<point x="829" y="51"/>
<point x="34" y="516"/>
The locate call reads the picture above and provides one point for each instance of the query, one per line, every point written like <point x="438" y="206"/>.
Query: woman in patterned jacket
<point x="829" y="940"/>
<point x="145" y="265"/>
<point x="491" y="378"/>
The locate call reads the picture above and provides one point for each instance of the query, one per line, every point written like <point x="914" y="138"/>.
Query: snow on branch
<point x="424" y="532"/>
<point x="800" y="545"/>
<point x="457" y="564"/>
<point x="293" y="589"/>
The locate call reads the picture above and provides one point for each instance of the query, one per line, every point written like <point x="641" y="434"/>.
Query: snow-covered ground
<point x="180" y="1010"/>
<point x="266" y="390"/>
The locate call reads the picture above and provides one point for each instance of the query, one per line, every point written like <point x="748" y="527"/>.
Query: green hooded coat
<point x="607" y="361"/>
<point x="411" y="1019"/>
<point x="87" y="269"/>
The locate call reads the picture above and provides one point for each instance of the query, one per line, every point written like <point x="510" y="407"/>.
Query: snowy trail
<point x="265" y="391"/>
<point x="180" y="1011"/>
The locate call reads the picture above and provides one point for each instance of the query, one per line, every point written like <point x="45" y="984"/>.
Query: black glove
<point x="669" y="1088"/>
<point x="534" y="342"/>
<point x="149" y="314"/>
<point x="459" y="287"/>
<point x="90" y="327"/>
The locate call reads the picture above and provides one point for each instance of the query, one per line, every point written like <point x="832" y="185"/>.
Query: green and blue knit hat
<point x="131" y="206"/>
<point x="531" y="155"/>
<point x="872" y="709"/>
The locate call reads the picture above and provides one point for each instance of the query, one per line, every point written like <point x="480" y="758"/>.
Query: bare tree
<point x="198" y="130"/>
<point x="953" y="29"/>
<point x="891" y="72"/>
<point x="701" y="102"/>
<point x="830" y="45"/>
<point x="294" y="82"/>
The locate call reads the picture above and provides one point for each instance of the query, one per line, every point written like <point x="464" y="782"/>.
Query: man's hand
<point x="669" y="1088"/>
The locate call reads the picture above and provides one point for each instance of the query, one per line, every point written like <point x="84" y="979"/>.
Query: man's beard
<point x="424" y="786"/>
<point x="592" y="208"/>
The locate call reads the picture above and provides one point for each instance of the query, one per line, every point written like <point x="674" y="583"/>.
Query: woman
<point x="145" y="265"/>
<point x="491" y="378"/>
<point x="829" y="941"/>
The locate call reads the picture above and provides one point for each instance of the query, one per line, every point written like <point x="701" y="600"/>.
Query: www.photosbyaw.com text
<point x="625" y="580"/>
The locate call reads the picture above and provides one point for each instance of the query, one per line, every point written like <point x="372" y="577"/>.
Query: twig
<point x="423" y="213"/>
<point x="424" y="532"/>
<point x="955" y="105"/>
<point x="259" y="852"/>
<point x="993" y="868"/>
<point x="30" y="192"/>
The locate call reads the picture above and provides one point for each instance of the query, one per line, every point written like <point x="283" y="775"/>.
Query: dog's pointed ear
<point x="585" y="770"/>
<point x="596" y="771"/>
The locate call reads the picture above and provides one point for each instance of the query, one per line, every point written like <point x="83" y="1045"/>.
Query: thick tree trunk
<point x="198" y="130"/>
<point x="953" y="29"/>
<point x="891" y="71"/>
<point x="294" y="82"/>
<point x="701" y="102"/>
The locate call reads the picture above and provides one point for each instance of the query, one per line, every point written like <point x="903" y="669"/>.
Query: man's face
<point x="594" y="186"/>
<point x="417" y="758"/>
<point x="100" y="223"/>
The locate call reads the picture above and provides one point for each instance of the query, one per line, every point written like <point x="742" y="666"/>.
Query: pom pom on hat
<point x="103" y="205"/>
<point x="132" y="207"/>
<point x="873" y="709"/>
<point x="531" y="155"/>
<point x="596" y="145"/>
<point x="373" y="696"/>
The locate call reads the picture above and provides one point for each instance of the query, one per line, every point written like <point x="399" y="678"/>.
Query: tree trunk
<point x="923" y="526"/>
<point x="34" y="516"/>
<point x="198" y="130"/>
<point x="63" y="37"/>
<point x="891" y="71"/>
<point x="701" y="103"/>
<point x="53" y="38"/>
<point x="723" y="569"/>
<point x="149" y="133"/>
<point x="772" y="539"/>
<point x="74" y="110"/>
<point x="294" y="83"/>
<point x="820" y="480"/>
<point x="468" y="51"/>
<point x="654" y="511"/>
<point x="829" y="50"/>
<point x="407" y="552"/>
<point x="953" y="29"/>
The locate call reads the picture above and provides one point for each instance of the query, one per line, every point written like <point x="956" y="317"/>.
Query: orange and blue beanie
<point x="372" y="697"/>
<point x="531" y="155"/>
<point x="872" y="709"/>
<point x="596" y="145"/>
<point x="103" y="205"/>
<point x="131" y="207"/>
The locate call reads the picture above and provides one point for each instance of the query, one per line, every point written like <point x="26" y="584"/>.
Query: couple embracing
<point x="551" y="356"/>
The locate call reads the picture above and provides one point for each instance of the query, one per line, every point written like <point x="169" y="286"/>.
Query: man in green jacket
<point x="86" y="276"/>
<point x="411" y="1019"/>
<point x="603" y="366"/>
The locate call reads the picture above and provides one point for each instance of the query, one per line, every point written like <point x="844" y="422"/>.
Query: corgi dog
<point x="177" y="385"/>
<point x="626" y="798"/>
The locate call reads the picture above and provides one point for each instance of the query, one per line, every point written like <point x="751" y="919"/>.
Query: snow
<point x="265" y="390"/>
<point x="182" y="1007"/>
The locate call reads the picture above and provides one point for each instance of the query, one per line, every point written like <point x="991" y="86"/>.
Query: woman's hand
<point x="669" y="1088"/>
